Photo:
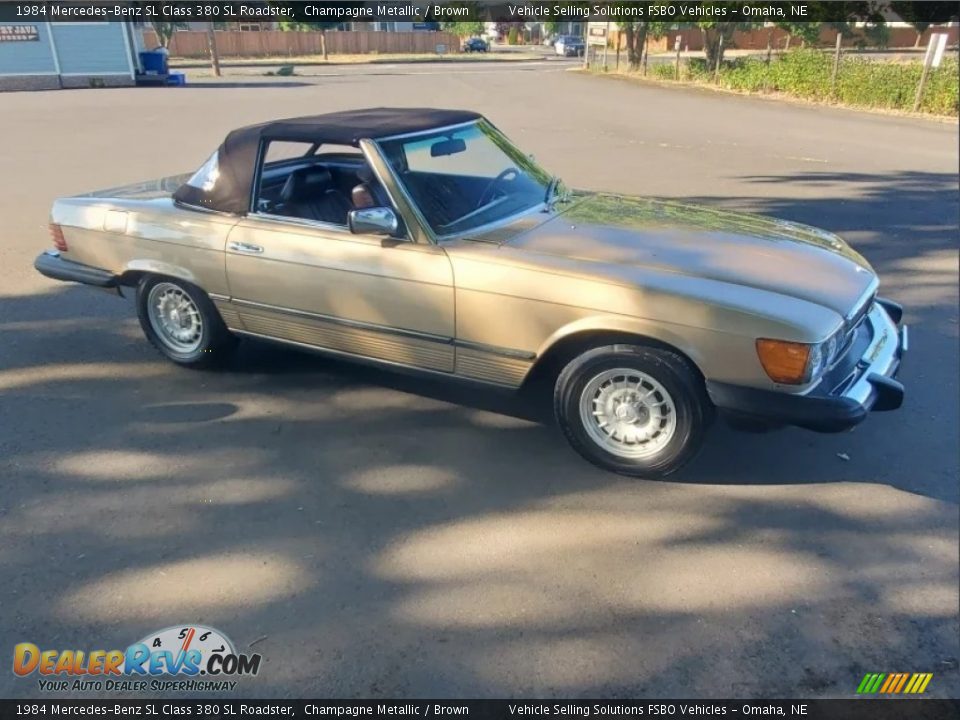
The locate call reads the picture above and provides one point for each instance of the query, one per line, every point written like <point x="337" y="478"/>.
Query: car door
<point x="320" y="285"/>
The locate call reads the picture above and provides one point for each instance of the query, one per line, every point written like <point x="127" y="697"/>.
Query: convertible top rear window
<point x="206" y="177"/>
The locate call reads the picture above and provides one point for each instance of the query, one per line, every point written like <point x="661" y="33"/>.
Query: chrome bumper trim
<point x="882" y="356"/>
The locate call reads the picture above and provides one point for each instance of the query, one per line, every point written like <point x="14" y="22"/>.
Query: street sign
<point x="932" y="58"/>
<point x="939" y="50"/>
<point x="597" y="33"/>
<point x="19" y="33"/>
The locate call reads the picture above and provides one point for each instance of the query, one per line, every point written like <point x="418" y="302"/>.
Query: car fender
<point x="716" y="354"/>
<point x="660" y="332"/>
<point x="159" y="267"/>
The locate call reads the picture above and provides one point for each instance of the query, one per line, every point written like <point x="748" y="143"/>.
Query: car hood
<point x="746" y="250"/>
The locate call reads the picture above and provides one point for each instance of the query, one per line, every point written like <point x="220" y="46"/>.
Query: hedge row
<point x="807" y="74"/>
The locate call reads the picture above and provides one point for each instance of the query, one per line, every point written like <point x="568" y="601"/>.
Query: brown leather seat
<point x="368" y="193"/>
<point x="362" y="197"/>
<point x="309" y="193"/>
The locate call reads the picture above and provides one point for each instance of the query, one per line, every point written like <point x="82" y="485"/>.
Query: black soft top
<point x="230" y="189"/>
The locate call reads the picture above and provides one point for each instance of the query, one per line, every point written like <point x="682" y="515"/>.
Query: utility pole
<point x="677" y="71"/>
<point x="836" y="66"/>
<point x="606" y="43"/>
<point x="586" y="45"/>
<point x="716" y="65"/>
<point x="212" y="47"/>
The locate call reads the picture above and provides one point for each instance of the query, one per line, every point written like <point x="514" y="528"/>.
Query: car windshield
<point x="465" y="177"/>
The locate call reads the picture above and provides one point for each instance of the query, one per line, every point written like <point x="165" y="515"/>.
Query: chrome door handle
<point x="244" y="247"/>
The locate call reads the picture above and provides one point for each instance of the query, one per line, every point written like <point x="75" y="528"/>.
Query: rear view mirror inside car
<point x="447" y="147"/>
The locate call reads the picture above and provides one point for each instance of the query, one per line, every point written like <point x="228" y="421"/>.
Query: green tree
<point x="920" y="15"/>
<point x="845" y="14"/>
<point x="165" y="31"/>
<point x="718" y="37"/>
<point x="636" y="35"/>
<point x="718" y="34"/>
<point x="463" y="29"/>
<point x="808" y="32"/>
<point x="503" y="28"/>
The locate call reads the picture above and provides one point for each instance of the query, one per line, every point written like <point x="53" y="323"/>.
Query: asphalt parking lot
<point x="376" y="535"/>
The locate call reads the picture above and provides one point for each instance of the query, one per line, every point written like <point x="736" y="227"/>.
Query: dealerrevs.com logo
<point x="179" y="658"/>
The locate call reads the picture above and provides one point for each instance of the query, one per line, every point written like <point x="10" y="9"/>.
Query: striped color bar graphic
<point x="894" y="683"/>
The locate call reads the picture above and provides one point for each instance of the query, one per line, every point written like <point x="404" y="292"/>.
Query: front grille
<point x="861" y="312"/>
<point x="854" y="321"/>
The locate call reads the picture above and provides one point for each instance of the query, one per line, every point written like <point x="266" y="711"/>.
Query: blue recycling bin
<point x="153" y="62"/>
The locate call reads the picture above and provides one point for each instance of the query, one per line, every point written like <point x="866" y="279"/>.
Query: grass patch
<point x="808" y="74"/>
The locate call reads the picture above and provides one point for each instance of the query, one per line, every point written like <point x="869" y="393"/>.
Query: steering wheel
<point x="492" y="188"/>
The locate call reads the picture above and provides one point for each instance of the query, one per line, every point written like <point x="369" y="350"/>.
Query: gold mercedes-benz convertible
<point x="424" y="239"/>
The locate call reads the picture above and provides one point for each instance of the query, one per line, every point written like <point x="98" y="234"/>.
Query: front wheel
<point x="631" y="409"/>
<point x="182" y="323"/>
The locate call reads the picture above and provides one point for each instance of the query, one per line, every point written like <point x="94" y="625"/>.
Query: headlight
<point x="830" y="348"/>
<point x="792" y="363"/>
<point x="817" y="361"/>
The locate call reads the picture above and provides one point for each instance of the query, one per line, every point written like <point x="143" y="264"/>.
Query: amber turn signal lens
<point x="56" y="234"/>
<point x="784" y="362"/>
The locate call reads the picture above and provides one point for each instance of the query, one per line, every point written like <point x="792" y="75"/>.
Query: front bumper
<point x="53" y="266"/>
<point x="862" y="382"/>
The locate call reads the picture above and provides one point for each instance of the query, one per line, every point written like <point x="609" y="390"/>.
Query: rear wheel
<point x="182" y="323"/>
<point x="631" y="409"/>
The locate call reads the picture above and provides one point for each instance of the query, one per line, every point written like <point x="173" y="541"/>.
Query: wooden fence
<point x="756" y="39"/>
<point x="276" y="43"/>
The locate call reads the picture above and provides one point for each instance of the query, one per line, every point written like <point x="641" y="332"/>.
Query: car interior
<point x="324" y="187"/>
<point x="320" y="187"/>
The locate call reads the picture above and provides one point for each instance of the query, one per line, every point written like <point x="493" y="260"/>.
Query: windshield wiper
<point x="550" y="197"/>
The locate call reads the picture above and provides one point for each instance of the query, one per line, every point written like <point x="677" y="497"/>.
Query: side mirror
<point x="373" y="221"/>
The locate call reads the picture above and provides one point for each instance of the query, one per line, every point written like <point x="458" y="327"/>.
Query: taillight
<point x="56" y="233"/>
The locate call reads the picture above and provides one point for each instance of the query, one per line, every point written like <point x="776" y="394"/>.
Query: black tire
<point x="214" y="344"/>
<point x="691" y="417"/>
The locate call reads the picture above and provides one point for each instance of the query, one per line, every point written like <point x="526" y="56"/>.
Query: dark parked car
<point x="569" y="46"/>
<point x="475" y="44"/>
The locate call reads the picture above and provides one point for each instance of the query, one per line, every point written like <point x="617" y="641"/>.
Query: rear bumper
<point x="868" y="385"/>
<point x="53" y="266"/>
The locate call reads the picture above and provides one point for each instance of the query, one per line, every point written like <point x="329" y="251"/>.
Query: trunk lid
<point x="146" y="190"/>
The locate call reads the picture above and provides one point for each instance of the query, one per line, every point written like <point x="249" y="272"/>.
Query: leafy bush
<point x="804" y="73"/>
<point x="664" y="71"/>
<point x="942" y="94"/>
<point x="808" y="74"/>
<point x="697" y="68"/>
<point x="876" y="84"/>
